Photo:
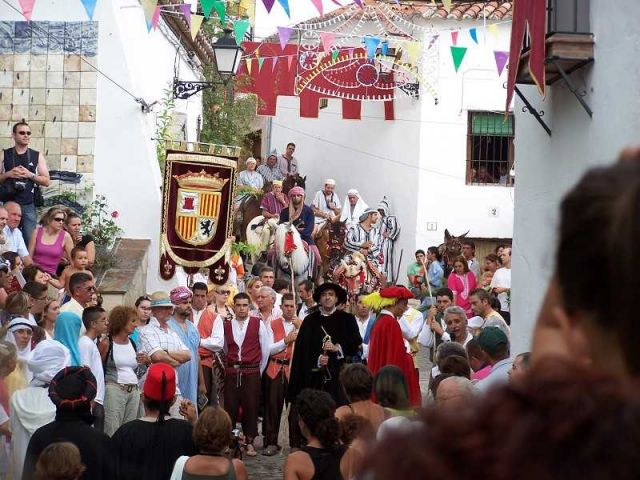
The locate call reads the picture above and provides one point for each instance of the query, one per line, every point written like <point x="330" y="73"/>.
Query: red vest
<point x="274" y="368"/>
<point x="251" y="352"/>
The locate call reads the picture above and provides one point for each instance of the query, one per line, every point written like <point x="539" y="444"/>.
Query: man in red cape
<point x="386" y="345"/>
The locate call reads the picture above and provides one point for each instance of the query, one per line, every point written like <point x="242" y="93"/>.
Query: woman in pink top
<point x="51" y="242"/>
<point x="461" y="282"/>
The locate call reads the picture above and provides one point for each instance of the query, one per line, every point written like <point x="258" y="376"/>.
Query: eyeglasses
<point x="223" y="292"/>
<point x="58" y="219"/>
<point x="25" y="133"/>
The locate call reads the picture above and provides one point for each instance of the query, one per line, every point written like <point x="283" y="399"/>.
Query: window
<point x="490" y="149"/>
<point x="324" y="103"/>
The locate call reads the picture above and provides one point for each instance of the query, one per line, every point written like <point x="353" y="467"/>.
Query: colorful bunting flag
<point x="248" y="62"/>
<point x="474" y="34"/>
<point x="268" y="4"/>
<point x="155" y="19"/>
<point x="27" y="8"/>
<point x="327" y="39"/>
<point x="149" y="8"/>
<point x="260" y="63"/>
<point x="285" y="6"/>
<point x="447" y="5"/>
<point x="413" y="50"/>
<point x="240" y="28"/>
<point x="454" y="37"/>
<point x="196" y="23"/>
<point x="221" y="10"/>
<point x="501" y="60"/>
<point x="358" y="2"/>
<point x="207" y="6"/>
<point x="334" y="55"/>
<point x="372" y="44"/>
<point x="285" y="34"/>
<point x="493" y="30"/>
<point x="274" y="64"/>
<point x="185" y="8"/>
<point x="384" y="48"/>
<point x="290" y="61"/>
<point x="458" y="53"/>
<point x="90" y="7"/>
<point x="318" y="5"/>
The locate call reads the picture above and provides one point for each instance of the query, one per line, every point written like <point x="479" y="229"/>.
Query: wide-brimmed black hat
<point x="341" y="293"/>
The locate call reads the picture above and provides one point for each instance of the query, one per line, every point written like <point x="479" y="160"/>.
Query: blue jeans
<point x="28" y="222"/>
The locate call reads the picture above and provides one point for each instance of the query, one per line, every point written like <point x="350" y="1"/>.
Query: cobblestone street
<point x="265" y="468"/>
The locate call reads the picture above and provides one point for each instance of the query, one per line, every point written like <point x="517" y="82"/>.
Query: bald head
<point x="14" y="213"/>
<point x="455" y="393"/>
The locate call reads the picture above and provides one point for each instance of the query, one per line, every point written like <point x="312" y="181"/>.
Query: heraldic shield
<point x="197" y="211"/>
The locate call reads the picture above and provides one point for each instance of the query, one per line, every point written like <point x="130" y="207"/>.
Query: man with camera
<point x="23" y="170"/>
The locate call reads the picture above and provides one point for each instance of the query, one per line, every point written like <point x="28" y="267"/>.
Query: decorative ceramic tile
<point x="53" y="129"/>
<point x="21" y="79"/>
<point x="39" y="38"/>
<point x="38" y="96"/>
<point x="85" y="146"/>
<point x="38" y="63"/>
<point x="71" y="79"/>
<point x="20" y="112"/>
<point x="21" y="96"/>
<point x="71" y="97"/>
<point x="86" y="129"/>
<point x="87" y="113"/>
<point x="72" y="63"/>
<point x="54" y="113"/>
<point x="87" y="96"/>
<point x="69" y="146"/>
<point x="37" y="128"/>
<point x="85" y="164"/>
<point x="22" y="63"/>
<point x="52" y="145"/>
<point x="7" y="35"/>
<point x="88" y="79"/>
<point x="6" y="79"/>
<point x="38" y="79"/>
<point x="54" y="96"/>
<point x="69" y="129"/>
<point x="37" y="112"/>
<point x="69" y="163"/>
<point x="70" y="113"/>
<point x="55" y="63"/>
<point x="56" y="37"/>
<point x="55" y="79"/>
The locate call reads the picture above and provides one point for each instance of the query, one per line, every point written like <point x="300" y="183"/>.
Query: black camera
<point x="19" y="185"/>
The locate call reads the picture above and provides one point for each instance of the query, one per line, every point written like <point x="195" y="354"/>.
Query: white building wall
<point x="548" y="166"/>
<point x="126" y="168"/>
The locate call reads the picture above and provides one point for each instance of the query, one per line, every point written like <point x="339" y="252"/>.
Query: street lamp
<point x="227" y="54"/>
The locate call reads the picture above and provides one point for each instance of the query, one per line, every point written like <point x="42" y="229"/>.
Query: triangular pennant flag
<point x="458" y="54"/>
<point x="221" y="10"/>
<point x="90" y="7"/>
<point x="319" y="7"/>
<point x="285" y="6"/>
<point x="334" y="55"/>
<point x="27" y="8"/>
<point x="149" y="8"/>
<point x="327" y="39"/>
<point x="240" y="28"/>
<point x="413" y="50"/>
<point x="474" y="34"/>
<point x="290" y="61"/>
<point x="493" y="30"/>
<point x="350" y="52"/>
<point x="185" y="8"/>
<point x="447" y="5"/>
<point x="155" y="19"/>
<point x="196" y="22"/>
<point x="433" y="40"/>
<point x="501" y="60"/>
<point x="248" y="62"/>
<point x="207" y="6"/>
<point x="268" y="4"/>
<point x="260" y="63"/>
<point x="358" y="2"/>
<point x="285" y="34"/>
<point x="384" y="47"/>
<point x="454" y="37"/>
<point x="274" y="64"/>
<point x="372" y="44"/>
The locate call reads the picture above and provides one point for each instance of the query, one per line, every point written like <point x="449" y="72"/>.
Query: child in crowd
<point x="79" y="263"/>
<point x="16" y="280"/>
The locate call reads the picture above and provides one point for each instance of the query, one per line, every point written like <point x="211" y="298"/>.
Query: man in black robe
<point x="326" y="340"/>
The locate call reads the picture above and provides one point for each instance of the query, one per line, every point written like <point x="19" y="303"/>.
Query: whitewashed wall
<point x="548" y="166"/>
<point x="126" y="168"/>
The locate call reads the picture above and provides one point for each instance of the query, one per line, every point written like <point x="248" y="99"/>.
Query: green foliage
<point x="243" y="248"/>
<point x="164" y="121"/>
<point x="100" y="221"/>
<point x="246" y="190"/>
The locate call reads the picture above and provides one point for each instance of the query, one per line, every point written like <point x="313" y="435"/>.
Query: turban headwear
<point x="180" y="294"/>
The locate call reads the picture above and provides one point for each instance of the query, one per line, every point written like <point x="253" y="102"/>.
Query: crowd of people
<point x="415" y="382"/>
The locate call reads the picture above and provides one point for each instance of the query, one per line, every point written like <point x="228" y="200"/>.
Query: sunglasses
<point x="57" y="219"/>
<point x="24" y="133"/>
<point x="223" y="292"/>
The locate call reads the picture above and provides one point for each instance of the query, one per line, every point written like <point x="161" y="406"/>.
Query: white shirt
<point x="321" y="203"/>
<point x="74" y="306"/>
<point x="239" y="330"/>
<point x="362" y="326"/>
<point x="304" y="310"/>
<point x="474" y="266"/>
<point x="15" y="241"/>
<point x="215" y="340"/>
<point x="196" y="314"/>
<point x="279" y="346"/>
<point x="90" y="357"/>
<point x="502" y="279"/>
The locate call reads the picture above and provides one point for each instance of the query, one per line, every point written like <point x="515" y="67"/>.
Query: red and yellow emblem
<point x="198" y="206"/>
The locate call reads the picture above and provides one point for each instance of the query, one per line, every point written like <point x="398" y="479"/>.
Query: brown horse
<point x="293" y="181"/>
<point x="330" y="242"/>
<point x="450" y="249"/>
<point x="248" y="210"/>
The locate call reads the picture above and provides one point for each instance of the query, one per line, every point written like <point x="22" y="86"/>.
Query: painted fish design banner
<point x="197" y="214"/>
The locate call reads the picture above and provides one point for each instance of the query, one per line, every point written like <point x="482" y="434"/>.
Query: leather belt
<point x="125" y="387"/>
<point x="280" y="361"/>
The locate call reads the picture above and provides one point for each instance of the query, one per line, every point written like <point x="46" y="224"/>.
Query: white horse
<point x="290" y="254"/>
<point x="260" y="234"/>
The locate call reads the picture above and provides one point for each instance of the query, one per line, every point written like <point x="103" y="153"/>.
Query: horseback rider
<point x="326" y="204"/>
<point x="301" y="216"/>
<point x="287" y="163"/>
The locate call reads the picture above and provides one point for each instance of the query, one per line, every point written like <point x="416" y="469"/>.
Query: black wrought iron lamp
<point x="227" y="54"/>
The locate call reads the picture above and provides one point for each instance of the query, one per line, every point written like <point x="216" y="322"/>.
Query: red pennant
<point x="454" y="37"/>
<point x="290" y="61"/>
<point x="318" y="5"/>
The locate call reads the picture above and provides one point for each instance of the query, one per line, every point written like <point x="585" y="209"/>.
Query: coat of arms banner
<point x="197" y="214"/>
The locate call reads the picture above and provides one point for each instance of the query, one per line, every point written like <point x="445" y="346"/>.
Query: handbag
<point x="38" y="198"/>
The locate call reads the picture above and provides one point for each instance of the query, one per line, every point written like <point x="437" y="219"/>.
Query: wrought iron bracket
<point x="576" y="92"/>
<point x="184" y="89"/>
<point x="529" y="108"/>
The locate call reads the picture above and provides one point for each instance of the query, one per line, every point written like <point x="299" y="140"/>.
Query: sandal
<point x="251" y="451"/>
<point x="270" y="451"/>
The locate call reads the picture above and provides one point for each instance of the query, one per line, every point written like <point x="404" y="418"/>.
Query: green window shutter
<point x="491" y="124"/>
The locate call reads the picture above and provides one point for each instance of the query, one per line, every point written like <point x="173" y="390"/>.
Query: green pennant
<point x="334" y="55"/>
<point x="458" y="53"/>
<point x="240" y="28"/>
<point x="207" y="6"/>
<point x="221" y="10"/>
<point x="260" y="63"/>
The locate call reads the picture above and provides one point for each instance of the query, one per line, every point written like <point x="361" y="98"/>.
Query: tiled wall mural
<point x="46" y="80"/>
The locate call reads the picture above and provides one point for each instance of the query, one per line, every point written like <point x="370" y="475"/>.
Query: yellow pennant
<point x="493" y="30"/>
<point x="248" y="62"/>
<point x="413" y="50"/>
<point x="196" y="22"/>
<point x="447" y="5"/>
